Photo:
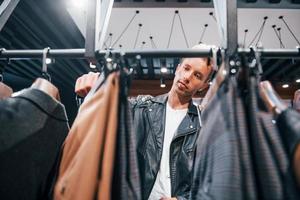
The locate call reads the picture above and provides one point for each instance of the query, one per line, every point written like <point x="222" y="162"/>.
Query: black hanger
<point x="125" y="76"/>
<point x="2" y="67"/>
<point x="1" y="73"/>
<point x="45" y="73"/>
<point x="255" y="64"/>
<point x="108" y="65"/>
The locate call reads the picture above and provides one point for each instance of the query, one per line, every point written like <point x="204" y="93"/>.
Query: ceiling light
<point x="92" y="66"/>
<point x="108" y="60"/>
<point x="285" y="86"/>
<point x="162" y="83"/>
<point x="79" y="3"/>
<point x="163" y="70"/>
<point x="48" y="61"/>
<point x="298" y="81"/>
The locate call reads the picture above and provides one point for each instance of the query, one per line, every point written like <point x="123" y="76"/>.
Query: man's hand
<point x="85" y="83"/>
<point x="168" y="198"/>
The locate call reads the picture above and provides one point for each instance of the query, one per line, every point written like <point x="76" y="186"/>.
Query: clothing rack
<point x="274" y="53"/>
<point x="228" y="32"/>
<point x="80" y="53"/>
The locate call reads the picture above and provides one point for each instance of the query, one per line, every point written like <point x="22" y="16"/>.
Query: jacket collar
<point x="44" y="102"/>
<point x="162" y="99"/>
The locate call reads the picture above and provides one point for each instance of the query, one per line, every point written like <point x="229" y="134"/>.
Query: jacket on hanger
<point x="271" y="160"/>
<point x="126" y="179"/>
<point x="288" y="123"/>
<point x="33" y="127"/>
<point x="223" y="167"/>
<point x="240" y="151"/>
<point x="86" y="167"/>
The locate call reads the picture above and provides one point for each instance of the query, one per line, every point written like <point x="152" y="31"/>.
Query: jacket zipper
<point x="157" y="148"/>
<point x="172" y="165"/>
<point x="185" y="134"/>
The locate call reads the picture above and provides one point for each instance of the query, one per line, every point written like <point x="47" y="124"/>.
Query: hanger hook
<point x="45" y="53"/>
<point x="3" y="67"/>
<point x="257" y="62"/>
<point x="45" y="73"/>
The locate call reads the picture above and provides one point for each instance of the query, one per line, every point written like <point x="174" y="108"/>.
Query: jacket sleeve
<point x="132" y="102"/>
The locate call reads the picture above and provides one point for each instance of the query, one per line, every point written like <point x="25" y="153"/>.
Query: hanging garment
<point x="271" y="161"/>
<point x="126" y="180"/>
<point x="223" y="167"/>
<point x="240" y="152"/>
<point x="296" y="100"/>
<point x="86" y="167"/>
<point x="288" y="123"/>
<point x="33" y="127"/>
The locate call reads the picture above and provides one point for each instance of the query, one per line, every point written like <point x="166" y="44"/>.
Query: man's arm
<point x="85" y="82"/>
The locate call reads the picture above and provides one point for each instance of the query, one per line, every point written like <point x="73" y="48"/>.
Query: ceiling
<point x="36" y="24"/>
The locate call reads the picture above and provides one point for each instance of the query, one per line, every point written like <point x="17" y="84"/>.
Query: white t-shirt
<point x="162" y="185"/>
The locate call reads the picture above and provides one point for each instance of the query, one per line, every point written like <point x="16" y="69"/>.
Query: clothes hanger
<point x="112" y="63"/>
<point x="44" y="83"/>
<point x="109" y="64"/>
<point x="5" y="91"/>
<point x="125" y="76"/>
<point x="105" y="63"/>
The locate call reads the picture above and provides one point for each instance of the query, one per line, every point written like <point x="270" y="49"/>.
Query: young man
<point x="167" y="127"/>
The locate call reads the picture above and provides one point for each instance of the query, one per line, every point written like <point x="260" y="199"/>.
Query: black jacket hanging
<point x="33" y="127"/>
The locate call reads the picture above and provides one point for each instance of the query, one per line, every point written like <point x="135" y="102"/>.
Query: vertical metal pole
<point x="98" y="14"/>
<point x="232" y="31"/>
<point x="6" y="9"/>
<point x="102" y="20"/>
<point x="90" y="43"/>
<point x="226" y="14"/>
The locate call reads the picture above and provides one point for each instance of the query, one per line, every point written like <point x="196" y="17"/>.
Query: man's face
<point x="191" y="75"/>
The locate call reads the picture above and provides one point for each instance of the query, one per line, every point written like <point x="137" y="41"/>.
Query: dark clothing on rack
<point x="288" y="123"/>
<point x="126" y="180"/>
<point x="149" y="125"/>
<point x="223" y="167"/>
<point x="33" y="127"/>
<point x="271" y="161"/>
<point x="240" y="153"/>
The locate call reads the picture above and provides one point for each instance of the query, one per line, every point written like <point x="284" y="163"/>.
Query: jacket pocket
<point x="189" y="143"/>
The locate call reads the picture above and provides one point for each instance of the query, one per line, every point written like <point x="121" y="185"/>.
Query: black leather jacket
<point x="149" y="123"/>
